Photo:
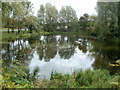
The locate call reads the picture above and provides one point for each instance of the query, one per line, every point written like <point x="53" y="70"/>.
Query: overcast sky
<point x="80" y="6"/>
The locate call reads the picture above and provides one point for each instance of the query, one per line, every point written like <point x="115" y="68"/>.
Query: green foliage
<point x="67" y="19"/>
<point x="83" y="22"/>
<point x="106" y="25"/>
<point x="18" y="15"/>
<point x="51" y="20"/>
<point x="48" y="16"/>
<point x="87" y="79"/>
<point x="17" y="76"/>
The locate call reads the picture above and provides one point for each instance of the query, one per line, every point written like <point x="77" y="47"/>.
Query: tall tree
<point x="14" y="13"/>
<point x="119" y="15"/>
<point x="107" y="20"/>
<point x="67" y="16"/>
<point x="41" y="16"/>
<point x="48" y="16"/>
<point x="6" y="14"/>
<point x="22" y="10"/>
<point x="84" y="21"/>
<point x="32" y="23"/>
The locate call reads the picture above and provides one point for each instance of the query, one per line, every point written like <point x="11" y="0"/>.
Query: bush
<point x="17" y="76"/>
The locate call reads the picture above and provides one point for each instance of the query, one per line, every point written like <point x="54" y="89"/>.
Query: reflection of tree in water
<point x="66" y="52"/>
<point x="83" y="45"/>
<point x="49" y="46"/>
<point x="105" y="54"/>
<point x="66" y="47"/>
<point x="63" y="40"/>
<point x="48" y="49"/>
<point x="51" y="39"/>
<point x="47" y="52"/>
<point x="82" y="48"/>
<point x="6" y="55"/>
<point x="17" y="50"/>
<point x="51" y="51"/>
<point x="33" y="41"/>
<point x="40" y="51"/>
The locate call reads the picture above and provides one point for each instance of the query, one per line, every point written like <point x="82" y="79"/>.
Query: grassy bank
<point x="17" y="76"/>
<point x="3" y="29"/>
<point x="22" y="34"/>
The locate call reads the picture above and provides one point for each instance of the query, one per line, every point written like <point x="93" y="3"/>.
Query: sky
<point x="80" y="6"/>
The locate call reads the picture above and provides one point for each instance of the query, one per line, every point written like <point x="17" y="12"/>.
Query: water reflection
<point x="60" y="53"/>
<point x="78" y="61"/>
<point x="17" y="50"/>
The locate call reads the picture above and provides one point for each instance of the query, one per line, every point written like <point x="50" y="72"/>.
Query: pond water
<point x="60" y="53"/>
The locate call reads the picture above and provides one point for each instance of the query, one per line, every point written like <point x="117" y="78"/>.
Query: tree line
<point x="105" y="25"/>
<point x="20" y="15"/>
<point x="50" y="19"/>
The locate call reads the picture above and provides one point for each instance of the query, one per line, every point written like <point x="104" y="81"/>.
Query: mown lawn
<point x="23" y="34"/>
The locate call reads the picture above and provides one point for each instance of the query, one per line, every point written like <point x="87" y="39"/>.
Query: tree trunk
<point x="12" y="29"/>
<point x="8" y="29"/>
<point x="119" y="14"/>
<point x="18" y="30"/>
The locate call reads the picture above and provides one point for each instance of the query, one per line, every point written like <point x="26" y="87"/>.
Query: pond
<point x="60" y="53"/>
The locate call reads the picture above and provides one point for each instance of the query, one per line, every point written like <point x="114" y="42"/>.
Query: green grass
<point x="6" y="29"/>
<point x="25" y="34"/>
<point x="17" y="76"/>
<point x="22" y="34"/>
<point x="66" y="33"/>
<point x="13" y="36"/>
<point x="3" y="29"/>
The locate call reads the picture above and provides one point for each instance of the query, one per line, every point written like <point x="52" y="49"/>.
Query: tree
<point x="119" y="16"/>
<point x="84" y="21"/>
<point x="32" y="23"/>
<point x="67" y="16"/>
<point x="6" y="14"/>
<point x="51" y="20"/>
<point x="107" y="20"/>
<point x="14" y="13"/>
<point x="22" y="10"/>
<point x="41" y="16"/>
<point x="48" y="16"/>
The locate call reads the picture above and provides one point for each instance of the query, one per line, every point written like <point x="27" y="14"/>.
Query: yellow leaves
<point x="6" y="76"/>
<point x="113" y="65"/>
<point x="25" y="85"/>
<point x="9" y="84"/>
<point x="115" y="83"/>
<point x="39" y="84"/>
<point x="1" y="77"/>
<point x="117" y="63"/>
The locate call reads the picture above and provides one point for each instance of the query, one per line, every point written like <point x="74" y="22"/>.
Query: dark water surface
<point x="59" y="53"/>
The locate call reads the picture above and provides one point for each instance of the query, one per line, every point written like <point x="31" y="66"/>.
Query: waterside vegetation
<point x="17" y="76"/>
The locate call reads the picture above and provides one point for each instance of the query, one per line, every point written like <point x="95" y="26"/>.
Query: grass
<point x="17" y="76"/>
<point x="22" y="34"/>
<point x="3" y="29"/>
